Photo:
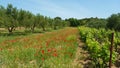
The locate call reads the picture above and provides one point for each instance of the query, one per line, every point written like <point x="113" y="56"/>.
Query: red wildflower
<point x="42" y="51"/>
<point x="64" y="40"/>
<point x="49" y="50"/>
<point x="43" y="59"/>
<point x="47" y="44"/>
<point x="55" y="54"/>
<point x="12" y="41"/>
<point x="0" y="49"/>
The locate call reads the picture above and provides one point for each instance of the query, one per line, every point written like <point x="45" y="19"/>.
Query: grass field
<point x="54" y="49"/>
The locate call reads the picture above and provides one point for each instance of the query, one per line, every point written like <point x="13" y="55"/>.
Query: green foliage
<point x="90" y="22"/>
<point x="114" y="22"/>
<point x="12" y="18"/>
<point x="98" y="43"/>
<point x="94" y="22"/>
<point x="2" y="15"/>
<point x="73" y="22"/>
<point x="97" y="23"/>
<point x="57" y="22"/>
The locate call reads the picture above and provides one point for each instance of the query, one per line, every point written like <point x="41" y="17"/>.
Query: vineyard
<point x="98" y="43"/>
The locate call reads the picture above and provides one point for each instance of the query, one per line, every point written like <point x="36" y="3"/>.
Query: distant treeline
<point x="112" y="22"/>
<point x="11" y="18"/>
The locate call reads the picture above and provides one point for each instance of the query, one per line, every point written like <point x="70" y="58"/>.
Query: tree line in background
<point x="112" y="22"/>
<point x="12" y="18"/>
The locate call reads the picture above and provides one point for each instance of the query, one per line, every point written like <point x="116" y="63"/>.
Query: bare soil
<point x="82" y="58"/>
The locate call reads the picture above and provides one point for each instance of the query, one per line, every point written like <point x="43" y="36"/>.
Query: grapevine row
<point x="98" y="44"/>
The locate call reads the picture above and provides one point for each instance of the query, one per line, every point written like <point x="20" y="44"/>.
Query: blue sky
<point x="68" y="8"/>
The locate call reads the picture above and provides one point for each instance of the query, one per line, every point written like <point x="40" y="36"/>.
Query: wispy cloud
<point x="62" y="11"/>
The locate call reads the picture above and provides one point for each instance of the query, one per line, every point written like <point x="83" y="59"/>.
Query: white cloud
<point x="62" y="11"/>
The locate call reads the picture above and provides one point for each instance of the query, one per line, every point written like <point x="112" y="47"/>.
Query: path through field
<point x="82" y="59"/>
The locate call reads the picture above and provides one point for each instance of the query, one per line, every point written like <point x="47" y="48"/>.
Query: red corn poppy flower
<point x="43" y="51"/>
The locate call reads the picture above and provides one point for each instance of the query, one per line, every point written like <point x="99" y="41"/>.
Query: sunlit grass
<point x="52" y="49"/>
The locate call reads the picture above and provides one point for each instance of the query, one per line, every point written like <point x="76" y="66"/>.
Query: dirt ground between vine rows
<point x="83" y="60"/>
